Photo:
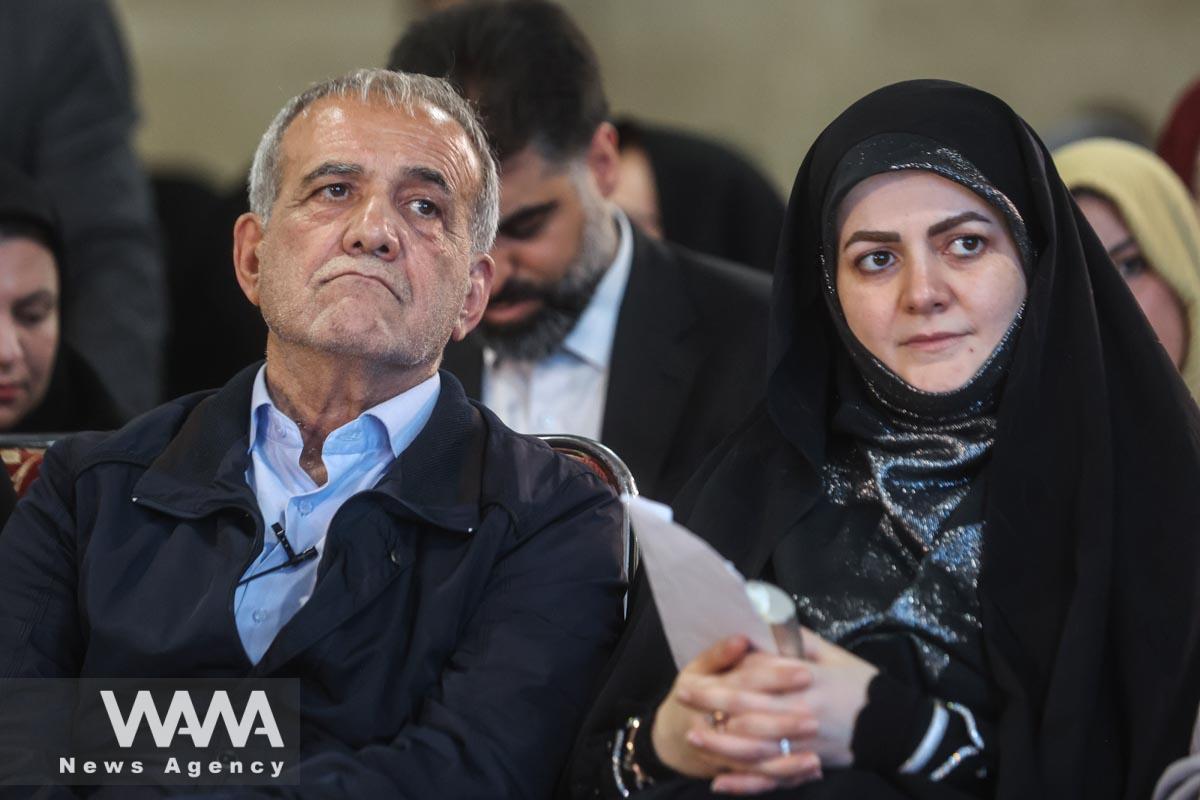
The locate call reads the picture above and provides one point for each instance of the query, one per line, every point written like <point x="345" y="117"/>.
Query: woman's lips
<point x="932" y="341"/>
<point x="10" y="392"/>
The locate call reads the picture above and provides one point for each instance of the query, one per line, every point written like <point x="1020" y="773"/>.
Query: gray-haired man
<point x="444" y="589"/>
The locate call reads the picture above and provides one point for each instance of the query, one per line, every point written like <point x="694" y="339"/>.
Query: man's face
<point x="367" y="252"/>
<point x="555" y="240"/>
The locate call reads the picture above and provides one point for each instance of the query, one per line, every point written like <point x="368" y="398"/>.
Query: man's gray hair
<point x="398" y="90"/>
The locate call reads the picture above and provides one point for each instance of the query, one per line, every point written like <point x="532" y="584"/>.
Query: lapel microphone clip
<point x="294" y="559"/>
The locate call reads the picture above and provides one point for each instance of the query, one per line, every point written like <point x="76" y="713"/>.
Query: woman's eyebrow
<point x="871" y="236"/>
<point x="955" y="221"/>
<point x="1119" y="246"/>
<point x="36" y="297"/>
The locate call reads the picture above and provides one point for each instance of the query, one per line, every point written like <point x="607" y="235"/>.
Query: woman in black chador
<point x="979" y="475"/>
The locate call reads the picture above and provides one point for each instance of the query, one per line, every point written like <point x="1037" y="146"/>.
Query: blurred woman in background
<point x="1145" y="219"/>
<point x="44" y="386"/>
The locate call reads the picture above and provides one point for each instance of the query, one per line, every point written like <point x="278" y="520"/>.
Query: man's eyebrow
<point x="529" y="212"/>
<point x="1119" y="246"/>
<point x="871" y="236"/>
<point x="428" y="175"/>
<point x="955" y="221"/>
<point x="337" y="168"/>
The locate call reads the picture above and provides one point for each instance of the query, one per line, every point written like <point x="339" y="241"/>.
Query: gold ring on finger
<point x="717" y="720"/>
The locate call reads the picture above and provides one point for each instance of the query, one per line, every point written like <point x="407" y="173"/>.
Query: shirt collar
<point x="592" y="337"/>
<point x="402" y="416"/>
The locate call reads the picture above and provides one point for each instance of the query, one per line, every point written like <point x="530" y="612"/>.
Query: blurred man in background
<point x="593" y="328"/>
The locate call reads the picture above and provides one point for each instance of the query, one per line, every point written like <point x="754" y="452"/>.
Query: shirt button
<point x="305" y="507"/>
<point x="259" y="615"/>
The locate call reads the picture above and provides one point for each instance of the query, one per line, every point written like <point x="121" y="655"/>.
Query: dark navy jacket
<point x="462" y="611"/>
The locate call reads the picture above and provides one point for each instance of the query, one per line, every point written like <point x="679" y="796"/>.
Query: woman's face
<point x="28" y="326"/>
<point x="928" y="276"/>
<point x="1158" y="301"/>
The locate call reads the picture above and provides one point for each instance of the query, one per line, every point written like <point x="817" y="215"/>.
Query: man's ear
<point x="247" y="235"/>
<point x="604" y="158"/>
<point x="479" y="289"/>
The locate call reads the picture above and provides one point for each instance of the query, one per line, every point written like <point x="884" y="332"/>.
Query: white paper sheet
<point x="701" y="598"/>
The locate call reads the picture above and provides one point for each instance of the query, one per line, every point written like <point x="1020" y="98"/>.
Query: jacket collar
<point x="203" y="467"/>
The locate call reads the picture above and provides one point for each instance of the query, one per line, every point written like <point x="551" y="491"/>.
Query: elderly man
<point x="444" y="590"/>
<point x="593" y="327"/>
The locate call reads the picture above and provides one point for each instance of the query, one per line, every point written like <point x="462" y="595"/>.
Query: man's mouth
<point x="503" y="312"/>
<point x="367" y="277"/>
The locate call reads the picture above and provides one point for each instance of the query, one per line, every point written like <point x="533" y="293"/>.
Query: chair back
<point x="609" y="467"/>
<point x="22" y="454"/>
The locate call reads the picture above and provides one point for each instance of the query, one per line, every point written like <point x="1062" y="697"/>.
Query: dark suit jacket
<point x="688" y="361"/>
<point x="462" y="611"/>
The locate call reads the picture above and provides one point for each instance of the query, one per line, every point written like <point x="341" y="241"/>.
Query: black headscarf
<point x="1089" y="593"/>
<point x="710" y="198"/>
<point x="1090" y="587"/>
<point x="75" y="399"/>
<point x="891" y="152"/>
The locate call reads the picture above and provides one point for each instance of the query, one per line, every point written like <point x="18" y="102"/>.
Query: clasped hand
<point x="756" y="722"/>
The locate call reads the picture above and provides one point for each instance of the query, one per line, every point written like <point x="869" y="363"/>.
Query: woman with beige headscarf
<point x="1144" y="217"/>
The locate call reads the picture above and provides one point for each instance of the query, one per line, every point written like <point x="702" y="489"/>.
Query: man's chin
<point x="509" y="330"/>
<point x="530" y="339"/>
<point x="363" y="339"/>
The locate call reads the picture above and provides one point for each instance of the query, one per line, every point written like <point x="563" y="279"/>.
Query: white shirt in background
<point x="564" y="392"/>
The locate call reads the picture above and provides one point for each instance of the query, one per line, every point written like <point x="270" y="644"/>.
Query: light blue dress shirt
<point x="565" y="391"/>
<point x="356" y="455"/>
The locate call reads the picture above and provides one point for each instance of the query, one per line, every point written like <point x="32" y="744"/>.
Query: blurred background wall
<point x="765" y="75"/>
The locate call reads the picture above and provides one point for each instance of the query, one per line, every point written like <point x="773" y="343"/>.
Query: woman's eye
<point x="31" y="317"/>
<point x="426" y="208"/>
<point x="875" y="261"/>
<point x="1132" y="266"/>
<point x="967" y="246"/>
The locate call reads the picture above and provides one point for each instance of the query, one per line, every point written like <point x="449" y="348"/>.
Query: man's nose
<point x="373" y="230"/>
<point x="926" y="290"/>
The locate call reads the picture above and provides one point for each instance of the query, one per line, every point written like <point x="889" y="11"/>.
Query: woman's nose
<point x="925" y="289"/>
<point x="10" y="343"/>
